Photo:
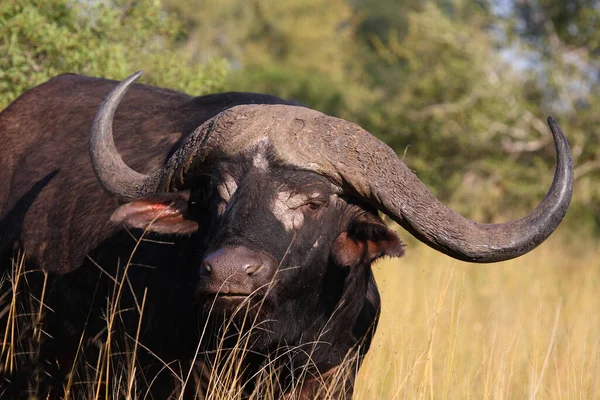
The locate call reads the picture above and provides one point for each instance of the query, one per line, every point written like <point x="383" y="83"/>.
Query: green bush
<point x="43" y="38"/>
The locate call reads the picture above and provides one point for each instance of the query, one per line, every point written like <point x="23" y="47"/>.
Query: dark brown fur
<point x="56" y="117"/>
<point x="323" y="306"/>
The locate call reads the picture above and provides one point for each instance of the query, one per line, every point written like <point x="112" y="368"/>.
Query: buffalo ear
<point x="159" y="212"/>
<point x="366" y="239"/>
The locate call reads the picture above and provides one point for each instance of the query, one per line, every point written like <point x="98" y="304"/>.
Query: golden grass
<point x="523" y="329"/>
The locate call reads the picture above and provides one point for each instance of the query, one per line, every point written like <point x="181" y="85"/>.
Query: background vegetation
<point x="524" y="329"/>
<point x="460" y="89"/>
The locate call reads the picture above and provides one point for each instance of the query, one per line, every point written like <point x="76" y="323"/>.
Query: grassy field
<point x="524" y="329"/>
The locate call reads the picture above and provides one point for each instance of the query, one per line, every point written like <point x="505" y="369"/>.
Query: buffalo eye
<point x="315" y="205"/>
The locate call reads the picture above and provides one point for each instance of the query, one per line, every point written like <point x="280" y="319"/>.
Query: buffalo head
<point x="351" y="160"/>
<point x="280" y="204"/>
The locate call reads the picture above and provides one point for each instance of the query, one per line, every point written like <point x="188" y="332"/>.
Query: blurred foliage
<point x="302" y="49"/>
<point x="43" y="38"/>
<point x="559" y="45"/>
<point x="458" y="88"/>
<point x="455" y="110"/>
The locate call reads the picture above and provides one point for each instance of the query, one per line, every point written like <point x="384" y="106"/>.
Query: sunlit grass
<point x="522" y="329"/>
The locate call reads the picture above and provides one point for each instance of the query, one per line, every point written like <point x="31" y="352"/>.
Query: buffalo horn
<point x="364" y="167"/>
<point x="353" y="159"/>
<point x="112" y="172"/>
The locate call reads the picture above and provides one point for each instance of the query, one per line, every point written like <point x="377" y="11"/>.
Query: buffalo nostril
<point x="252" y="269"/>
<point x="205" y="269"/>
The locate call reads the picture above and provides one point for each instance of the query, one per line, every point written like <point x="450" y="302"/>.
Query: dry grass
<point x="524" y="329"/>
<point x="528" y="328"/>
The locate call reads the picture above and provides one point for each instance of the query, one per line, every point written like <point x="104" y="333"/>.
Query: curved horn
<point x="363" y="165"/>
<point x="443" y="229"/>
<point x="413" y="206"/>
<point x="112" y="172"/>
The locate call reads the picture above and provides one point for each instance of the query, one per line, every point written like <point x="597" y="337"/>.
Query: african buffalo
<point x="178" y="227"/>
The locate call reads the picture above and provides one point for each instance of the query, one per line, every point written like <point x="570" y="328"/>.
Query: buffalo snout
<point x="236" y="271"/>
